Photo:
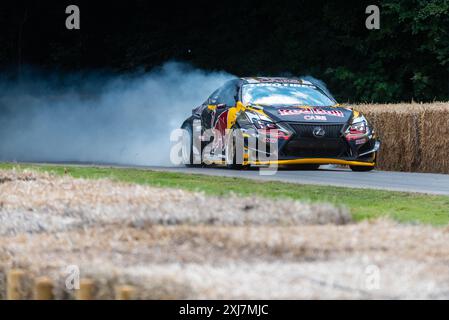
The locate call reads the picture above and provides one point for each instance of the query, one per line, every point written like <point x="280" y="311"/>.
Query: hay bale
<point x="415" y="137"/>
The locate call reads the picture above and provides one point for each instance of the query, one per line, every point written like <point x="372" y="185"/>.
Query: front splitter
<point x="315" y="161"/>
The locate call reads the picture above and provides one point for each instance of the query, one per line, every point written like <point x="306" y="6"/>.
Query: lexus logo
<point x="318" y="132"/>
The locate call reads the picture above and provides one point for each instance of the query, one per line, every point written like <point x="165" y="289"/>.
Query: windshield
<point x="284" y="94"/>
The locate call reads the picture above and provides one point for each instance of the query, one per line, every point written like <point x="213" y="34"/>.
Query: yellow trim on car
<point x="302" y="161"/>
<point x="317" y="161"/>
<point x="232" y="117"/>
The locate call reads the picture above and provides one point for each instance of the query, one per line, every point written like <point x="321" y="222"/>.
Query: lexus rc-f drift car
<point x="300" y="118"/>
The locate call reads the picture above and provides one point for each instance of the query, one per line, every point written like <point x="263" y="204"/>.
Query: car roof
<point x="293" y="80"/>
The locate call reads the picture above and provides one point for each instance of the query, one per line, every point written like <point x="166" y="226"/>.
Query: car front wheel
<point x="361" y="168"/>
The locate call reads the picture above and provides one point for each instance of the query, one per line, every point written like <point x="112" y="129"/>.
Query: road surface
<point x="395" y="181"/>
<point x="430" y="183"/>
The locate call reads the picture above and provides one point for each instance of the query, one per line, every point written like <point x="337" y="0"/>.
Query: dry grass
<point x="415" y="137"/>
<point x="32" y="202"/>
<point x="178" y="244"/>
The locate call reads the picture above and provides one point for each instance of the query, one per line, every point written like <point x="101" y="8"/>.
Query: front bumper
<point x="333" y="148"/>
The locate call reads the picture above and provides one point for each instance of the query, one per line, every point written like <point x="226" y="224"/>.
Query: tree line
<point x="406" y="58"/>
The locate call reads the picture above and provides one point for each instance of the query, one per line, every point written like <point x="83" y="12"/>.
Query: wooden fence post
<point x="43" y="289"/>
<point x="125" y="293"/>
<point x="86" y="290"/>
<point x="15" y="288"/>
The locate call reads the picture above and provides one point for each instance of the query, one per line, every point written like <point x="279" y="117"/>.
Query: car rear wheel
<point x="231" y="154"/>
<point x="187" y="146"/>
<point x="361" y="168"/>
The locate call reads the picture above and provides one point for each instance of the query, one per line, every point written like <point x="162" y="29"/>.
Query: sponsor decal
<point x="282" y="84"/>
<point x="316" y="118"/>
<point x="360" y="141"/>
<point x="311" y="111"/>
<point x="280" y="80"/>
<point x="269" y="140"/>
<point x="271" y="135"/>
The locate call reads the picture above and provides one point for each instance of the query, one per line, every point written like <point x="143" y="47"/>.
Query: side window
<point x="213" y="99"/>
<point x="228" y="93"/>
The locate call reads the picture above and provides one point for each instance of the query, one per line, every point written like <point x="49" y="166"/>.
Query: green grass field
<point x="363" y="204"/>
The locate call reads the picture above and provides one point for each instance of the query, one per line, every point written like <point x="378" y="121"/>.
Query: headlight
<point x="358" y="126"/>
<point x="264" y="126"/>
<point x="358" y="131"/>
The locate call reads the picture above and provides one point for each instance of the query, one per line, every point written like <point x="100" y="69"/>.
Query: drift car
<point x="310" y="127"/>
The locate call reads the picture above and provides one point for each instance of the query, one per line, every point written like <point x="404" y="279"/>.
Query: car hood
<point x="308" y="114"/>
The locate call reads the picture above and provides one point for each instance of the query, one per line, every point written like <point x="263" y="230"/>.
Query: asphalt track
<point x="327" y="175"/>
<point x="331" y="176"/>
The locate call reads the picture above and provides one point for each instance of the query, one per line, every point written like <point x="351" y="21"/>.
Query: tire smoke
<point x="95" y="118"/>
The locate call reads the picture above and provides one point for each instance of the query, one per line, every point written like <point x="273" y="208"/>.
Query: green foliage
<point x="408" y="58"/>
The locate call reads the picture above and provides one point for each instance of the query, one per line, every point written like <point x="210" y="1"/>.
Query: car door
<point x="226" y="100"/>
<point x="215" y="113"/>
<point x="209" y="110"/>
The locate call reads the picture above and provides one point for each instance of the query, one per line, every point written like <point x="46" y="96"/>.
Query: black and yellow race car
<point x="298" y="116"/>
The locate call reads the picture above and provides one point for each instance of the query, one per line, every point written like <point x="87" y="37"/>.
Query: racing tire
<point x="187" y="146"/>
<point x="306" y="167"/>
<point x="231" y="152"/>
<point x="361" y="168"/>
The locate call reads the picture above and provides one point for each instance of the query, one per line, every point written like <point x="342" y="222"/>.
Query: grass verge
<point x="363" y="203"/>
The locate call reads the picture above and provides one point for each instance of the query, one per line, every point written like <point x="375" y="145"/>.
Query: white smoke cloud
<point x="97" y="118"/>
